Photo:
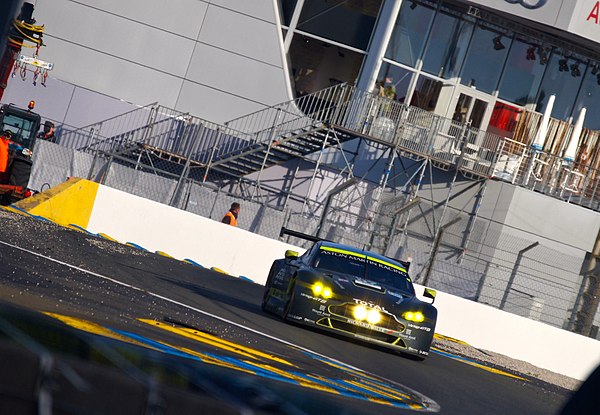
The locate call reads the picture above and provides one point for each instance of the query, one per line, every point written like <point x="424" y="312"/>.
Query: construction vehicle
<point x="22" y="126"/>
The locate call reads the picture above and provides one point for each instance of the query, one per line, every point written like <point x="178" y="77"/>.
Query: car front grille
<point x="387" y="320"/>
<point x="361" y="331"/>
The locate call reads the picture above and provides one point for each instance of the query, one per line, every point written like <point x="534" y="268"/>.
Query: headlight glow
<point x="360" y="312"/>
<point x="373" y="316"/>
<point x="317" y="288"/>
<point x="320" y="290"/>
<point x="415" y="316"/>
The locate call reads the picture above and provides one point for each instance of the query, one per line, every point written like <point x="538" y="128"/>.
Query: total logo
<point x="528" y="4"/>
<point x="368" y="304"/>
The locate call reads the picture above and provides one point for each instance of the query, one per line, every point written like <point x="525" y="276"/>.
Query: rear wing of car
<point x="296" y="234"/>
<point x="312" y="238"/>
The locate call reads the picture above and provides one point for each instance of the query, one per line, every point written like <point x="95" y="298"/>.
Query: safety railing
<point x="417" y="132"/>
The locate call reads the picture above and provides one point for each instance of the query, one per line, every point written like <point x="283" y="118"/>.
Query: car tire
<point x="266" y="295"/>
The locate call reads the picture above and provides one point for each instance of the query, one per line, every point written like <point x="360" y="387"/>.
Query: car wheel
<point x="266" y="295"/>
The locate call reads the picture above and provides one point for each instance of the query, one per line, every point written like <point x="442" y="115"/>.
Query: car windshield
<point x="363" y="266"/>
<point x="21" y="128"/>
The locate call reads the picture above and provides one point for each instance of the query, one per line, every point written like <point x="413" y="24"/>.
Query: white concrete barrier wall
<point x="183" y="235"/>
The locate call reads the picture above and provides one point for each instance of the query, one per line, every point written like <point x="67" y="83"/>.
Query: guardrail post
<point x="435" y="247"/>
<point x="330" y="195"/>
<point x="272" y="136"/>
<point x="176" y="196"/>
<point x="513" y="274"/>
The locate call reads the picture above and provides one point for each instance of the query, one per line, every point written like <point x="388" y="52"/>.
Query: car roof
<point x="362" y="251"/>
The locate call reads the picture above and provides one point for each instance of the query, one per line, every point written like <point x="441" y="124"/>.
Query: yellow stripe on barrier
<point x="107" y="237"/>
<point x="68" y="203"/>
<point x="451" y="339"/>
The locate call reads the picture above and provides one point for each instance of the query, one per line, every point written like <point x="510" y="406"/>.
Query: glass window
<point x="447" y="45"/>
<point x="588" y="98"/>
<point x="372" y="269"/>
<point x="287" y="10"/>
<point x="523" y="74"/>
<point x="485" y="59"/>
<point x="345" y="21"/>
<point x="427" y="92"/>
<point x="393" y="82"/>
<point x="562" y="78"/>
<point x="22" y="129"/>
<point x="410" y="32"/>
<point x="317" y="65"/>
<point x="504" y="120"/>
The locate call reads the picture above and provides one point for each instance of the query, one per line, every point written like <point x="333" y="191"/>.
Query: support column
<point x="381" y="38"/>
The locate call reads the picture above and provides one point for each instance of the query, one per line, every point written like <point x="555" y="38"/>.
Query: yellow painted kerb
<point x="68" y="203"/>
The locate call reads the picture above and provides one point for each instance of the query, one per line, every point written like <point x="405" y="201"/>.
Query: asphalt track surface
<point x="209" y="331"/>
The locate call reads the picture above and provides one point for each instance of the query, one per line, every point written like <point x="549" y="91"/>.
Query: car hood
<point x="369" y="291"/>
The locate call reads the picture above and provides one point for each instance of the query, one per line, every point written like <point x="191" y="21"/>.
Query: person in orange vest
<point x="230" y="217"/>
<point x="5" y="140"/>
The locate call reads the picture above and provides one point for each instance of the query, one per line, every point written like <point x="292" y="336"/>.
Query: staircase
<point x="274" y="135"/>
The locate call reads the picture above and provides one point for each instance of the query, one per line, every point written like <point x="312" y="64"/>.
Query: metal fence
<point x="169" y="157"/>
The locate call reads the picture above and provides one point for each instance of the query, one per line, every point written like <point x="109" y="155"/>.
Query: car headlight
<point x="415" y="316"/>
<point x="319" y="289"/>
<point x="373" y="316"/>
<point x="360" y="312"/>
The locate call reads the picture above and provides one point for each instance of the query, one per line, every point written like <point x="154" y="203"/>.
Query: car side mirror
<point x="290" y="255"/>
<point x="429" y="293"/>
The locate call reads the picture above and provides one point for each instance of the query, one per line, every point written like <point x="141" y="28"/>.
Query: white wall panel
<point x="237" y="33"/>
<point x="262" y="9"/>
<point x="87" y="107"/>
<point x="85" y="27"/>
<point x="212" y="104"/>
<point x="237" y="75"/>
<point x="114" y="76"/>
<point x="183" y="17"/>
<point x="64" y="103"/>
<point x="52" y="101"/>
<point x="553" y="219"/>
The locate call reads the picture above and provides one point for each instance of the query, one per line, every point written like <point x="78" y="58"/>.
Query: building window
<point x="410" y="32"/>
<point x="393" y="82"/>
<point x="562" y="78"/>
<point x="287" y="10"/>
<point x="504" y="120"/>
<point x="426" y="94"/>
<point x="524" y="70"/>
<point x="485" y="59"/>
<point x="589" y="97"/>
<point x="350" y="22"/>
<point x="447" y="45"/>
<point x="317" y="65"/>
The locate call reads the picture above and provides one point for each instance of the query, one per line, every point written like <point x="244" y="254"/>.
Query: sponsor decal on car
<point x="414" y="326"/>
<point x="310" y="297"/>
<point x="370" y="305"/>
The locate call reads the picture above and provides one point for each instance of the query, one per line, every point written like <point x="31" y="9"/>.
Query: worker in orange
<point x="5" y="140"/>
<point x="230" y="217"/>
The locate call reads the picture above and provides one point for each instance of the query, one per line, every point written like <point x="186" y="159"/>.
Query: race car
<point x="352" y="292"/>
